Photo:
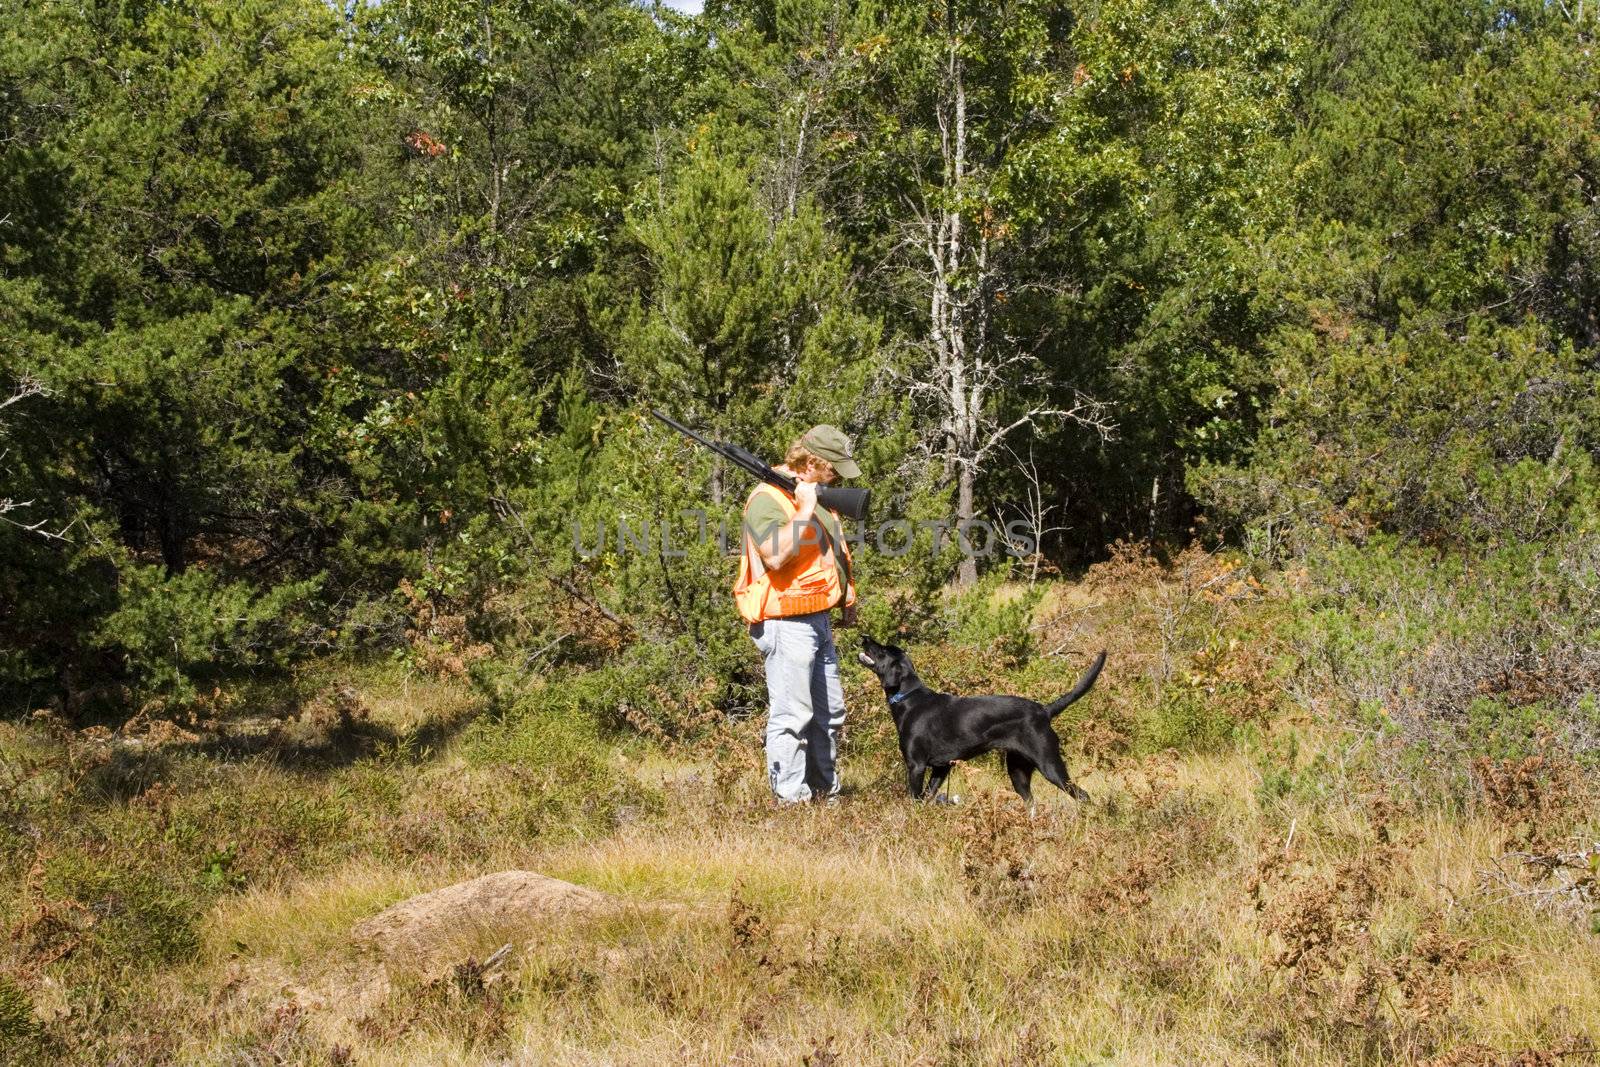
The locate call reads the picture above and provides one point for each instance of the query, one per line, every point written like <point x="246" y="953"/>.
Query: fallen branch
<point x="1575" y="892"/>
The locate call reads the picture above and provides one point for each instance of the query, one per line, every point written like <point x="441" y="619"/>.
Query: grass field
<point x="1257" y="881"/>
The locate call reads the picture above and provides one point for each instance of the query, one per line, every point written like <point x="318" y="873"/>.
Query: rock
<point x="501" y="904"/>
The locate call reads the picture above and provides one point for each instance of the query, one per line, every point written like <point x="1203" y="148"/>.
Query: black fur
<point x="936" y="729"/>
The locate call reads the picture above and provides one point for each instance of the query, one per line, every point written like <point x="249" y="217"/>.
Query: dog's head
<point x="889" y="662"/>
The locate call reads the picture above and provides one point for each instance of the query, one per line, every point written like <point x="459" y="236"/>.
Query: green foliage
<point x="1455" y="655"/>
<point x="17" y="1023"/>
<point x="1483" y="439"/>
<point x="995" y="618"/>
<point x="1426" y="362"/>
<point x="1186" y="719"/>
<point x="170" y="632"/>
<point x="737" y="288"/>
<point x="307" y="365"/>
<point x="168" y="300"/>
<point x="1156" y="163"/>
<point x="1501" y="729"/>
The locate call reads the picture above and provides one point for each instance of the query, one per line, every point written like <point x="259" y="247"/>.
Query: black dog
<point x="936" y="728"/>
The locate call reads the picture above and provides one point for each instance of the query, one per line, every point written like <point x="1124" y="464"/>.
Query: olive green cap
<point x="831" y="444"/>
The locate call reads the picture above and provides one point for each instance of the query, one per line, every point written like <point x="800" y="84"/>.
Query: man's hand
<point x="805" y="497"/>
<point x="847" y="616"/>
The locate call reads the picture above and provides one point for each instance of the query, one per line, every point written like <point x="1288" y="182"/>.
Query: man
<point x="795" y="568"/>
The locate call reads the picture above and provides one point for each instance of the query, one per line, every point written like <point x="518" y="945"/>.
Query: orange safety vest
<point x="809" y="582"/>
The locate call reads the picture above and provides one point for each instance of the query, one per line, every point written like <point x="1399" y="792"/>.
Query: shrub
<point x="1453" y="655"/>
<point x="1478" y="439"/>
<point x="170" y="631"/>
<point x="995" y="617"/>
<point x="17" y="1023"/>
<point x="1187" y="719"/>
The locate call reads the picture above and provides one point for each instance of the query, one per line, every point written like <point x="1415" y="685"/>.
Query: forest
<point x="341" y="560"/>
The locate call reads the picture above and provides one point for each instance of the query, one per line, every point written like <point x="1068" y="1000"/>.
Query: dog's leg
<point x="914" y="776"/>
<point x="936" y="780"/>
<point x="1045" y="748"/>
<point x="1055" y="772"/>
<point x="1021" y="770"/>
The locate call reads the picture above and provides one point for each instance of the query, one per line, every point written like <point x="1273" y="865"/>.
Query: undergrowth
<point x="1269" y="872"/>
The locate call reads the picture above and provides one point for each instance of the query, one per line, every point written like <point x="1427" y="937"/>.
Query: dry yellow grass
<point x="880" y="932"/>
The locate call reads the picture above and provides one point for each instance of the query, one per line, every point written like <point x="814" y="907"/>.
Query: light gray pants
<point x="805" y="704"/>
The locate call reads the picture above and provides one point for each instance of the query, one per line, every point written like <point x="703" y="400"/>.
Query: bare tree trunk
<point x="970" y="365"/>
<point x="492" y="132"/>
<point x="953" y="307"/>
<point x="964" y="514"/>
<point x="797" y="159"/>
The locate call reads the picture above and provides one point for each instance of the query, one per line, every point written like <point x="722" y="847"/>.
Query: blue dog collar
<point x="895" y="698"/>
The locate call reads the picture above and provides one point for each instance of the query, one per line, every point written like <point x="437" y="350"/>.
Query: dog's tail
<point x="1081" y="688"/>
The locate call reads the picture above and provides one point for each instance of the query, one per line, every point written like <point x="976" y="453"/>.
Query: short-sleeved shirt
<point x="763" y="516"/>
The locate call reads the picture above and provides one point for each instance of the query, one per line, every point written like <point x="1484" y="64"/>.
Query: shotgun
<point x="851" y="503"/>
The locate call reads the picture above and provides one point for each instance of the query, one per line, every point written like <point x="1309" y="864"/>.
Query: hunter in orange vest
<point x="795" y="567"/>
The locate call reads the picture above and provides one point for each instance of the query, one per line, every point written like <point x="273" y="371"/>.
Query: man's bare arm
<point x="784" y="542"/>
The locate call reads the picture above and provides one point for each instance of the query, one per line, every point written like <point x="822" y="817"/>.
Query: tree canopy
<point x="325" y="325"/>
